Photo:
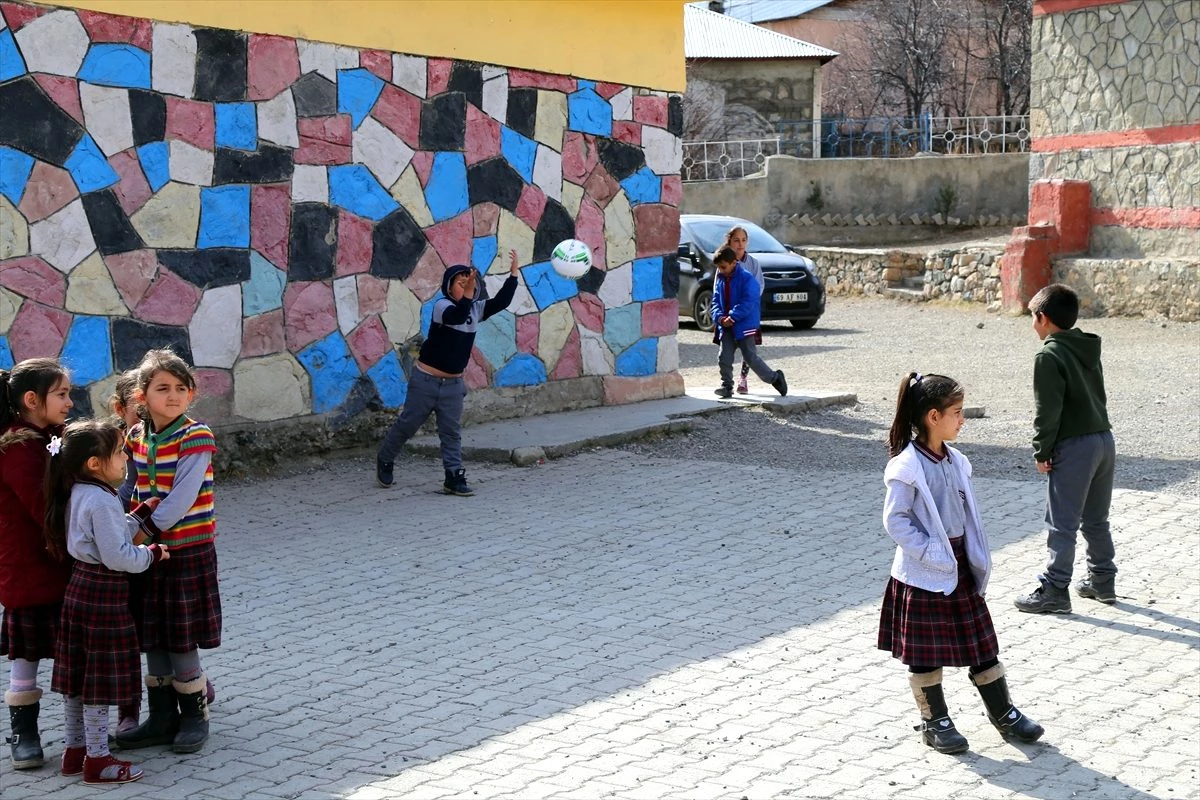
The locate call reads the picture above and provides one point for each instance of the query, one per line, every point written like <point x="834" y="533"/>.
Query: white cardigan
<point x="924" y="558"/>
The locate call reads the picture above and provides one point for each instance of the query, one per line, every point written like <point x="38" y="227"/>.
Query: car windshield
<point x="710" y="233"/>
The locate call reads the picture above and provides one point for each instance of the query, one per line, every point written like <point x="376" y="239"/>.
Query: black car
<point x="793" y="291"/>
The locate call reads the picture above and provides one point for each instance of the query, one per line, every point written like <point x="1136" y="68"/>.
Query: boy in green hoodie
<point x="1073" y="444"/>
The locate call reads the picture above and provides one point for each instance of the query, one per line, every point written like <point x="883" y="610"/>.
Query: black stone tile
<point x="269" y="164"/>
<point x="132" y="338"/>
<point x="555" y="225"/>
<point x="110" y="226"/>
<point x="467" y="79"/>
<point x="32" y="123"/>
<point x="313" y="242"/>
<point x="494" y="181"/>
<point x="620" y="159"/>
<point x="315" y="96"/>
<point x="592" y="280"/>
<point x="208" y="267"/>
<point x="399" y="243"/>
<point x="363" y="397"/>
<point x="148" y="111"/>
<point x="675" y="115"/>
<point x="220" y="65"/>
<point x="522" y="111"/>
<point x="444" y="122"/>
<point x="670" y="276"/>
<point x="82" y="399"/>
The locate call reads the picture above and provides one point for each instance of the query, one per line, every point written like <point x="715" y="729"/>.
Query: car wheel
<point x="702" y="309"/>
<point x="804" y="324"/>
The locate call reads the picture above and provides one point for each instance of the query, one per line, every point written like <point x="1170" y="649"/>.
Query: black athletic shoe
<point x="724" y="392"/>
<point x="1045" y="599"/>
<point x="383" y="473"/>
<point x="780" y="383"/>
<point x="456" y="483"/>
<point x="1095" y="588"/>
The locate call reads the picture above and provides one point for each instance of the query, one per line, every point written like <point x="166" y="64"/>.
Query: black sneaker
<point x="383" y="473"/>
<point x="780" y="383"/>
<point x="456" y="483"/>
<point x="724" y="392"/>
<point x="1099" y="589"/>
<point x="1045" y="599"/>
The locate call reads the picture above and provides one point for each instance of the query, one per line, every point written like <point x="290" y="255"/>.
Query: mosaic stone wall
<point x="281" y="211"/>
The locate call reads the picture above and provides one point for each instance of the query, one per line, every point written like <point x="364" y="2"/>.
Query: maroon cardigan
<point x="29" y="576"/>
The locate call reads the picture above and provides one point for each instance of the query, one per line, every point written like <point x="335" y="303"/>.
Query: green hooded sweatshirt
<point x="1068" y="390"/>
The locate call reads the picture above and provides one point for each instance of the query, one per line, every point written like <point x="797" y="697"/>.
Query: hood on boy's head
<point x="449" y="275"/>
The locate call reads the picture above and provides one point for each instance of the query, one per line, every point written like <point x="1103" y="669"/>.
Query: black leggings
<point x="975" y="670"/>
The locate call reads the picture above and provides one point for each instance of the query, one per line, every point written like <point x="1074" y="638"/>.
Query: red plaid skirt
<point x="97" y="654"/>
<point x="181" y="605"/>
<point x="931" y="629"/>
<point x="30" y="633"/>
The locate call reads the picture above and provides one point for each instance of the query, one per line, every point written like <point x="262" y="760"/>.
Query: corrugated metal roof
<point x="707" y="34"/>
<point x="766" y="10"/>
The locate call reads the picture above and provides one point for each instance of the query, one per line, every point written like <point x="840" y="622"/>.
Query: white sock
<point x="95" y="730"/>
<point x="73" y="721"/>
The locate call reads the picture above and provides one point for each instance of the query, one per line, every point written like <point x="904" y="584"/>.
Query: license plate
<point x="791" y="297"/>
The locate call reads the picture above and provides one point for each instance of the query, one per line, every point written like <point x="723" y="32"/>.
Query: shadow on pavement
<point x="1070" y="778"/>
<point x="1191" y="640"/>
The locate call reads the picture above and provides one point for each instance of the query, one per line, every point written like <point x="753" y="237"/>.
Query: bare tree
<point x="909" y="42"/>
<point x="1008" y="28"/>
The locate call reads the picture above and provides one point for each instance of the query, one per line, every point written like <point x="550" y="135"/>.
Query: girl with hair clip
<point x="736" y="239"/>
<point x="35" y="398"/>
<point x="934" y="614"/>
<point x="96" y="658"/>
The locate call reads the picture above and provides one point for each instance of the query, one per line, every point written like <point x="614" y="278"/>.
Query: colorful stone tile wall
<point x="281" y="211"/>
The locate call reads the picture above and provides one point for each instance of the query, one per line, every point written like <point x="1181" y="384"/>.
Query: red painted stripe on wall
<point x="1164" y="217"/>
<point x="1043" y="7"/>
<point x="1136" y="137"/>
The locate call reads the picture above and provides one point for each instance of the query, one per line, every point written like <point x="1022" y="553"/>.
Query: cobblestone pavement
<point x="620" y="626"/>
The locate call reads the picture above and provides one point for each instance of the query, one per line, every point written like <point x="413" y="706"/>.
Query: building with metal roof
<point x="708" y="34"/>
<point x="766" y="10"/>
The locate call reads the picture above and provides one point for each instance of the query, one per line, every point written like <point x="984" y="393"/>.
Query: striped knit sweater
<point x="156" y="456"/>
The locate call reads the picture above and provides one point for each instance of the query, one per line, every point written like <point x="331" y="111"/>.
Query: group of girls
<point x="107" y="549"/>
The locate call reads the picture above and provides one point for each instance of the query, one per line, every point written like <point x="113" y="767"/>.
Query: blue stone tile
<point x="427" y="313"/>
<point x="15" y="168"/>
<point x="639" y="360"/>
<point x="264" y="290"/>
<point x="520" y="151"/>
<point x="497" y="338"/>
<point x="87" y="351"/>
<point x="483" y="252"/>
<point x="89" y="167"/>
<point x="623" y="326"/>
<point x="155" y="158"/>
<point x="588" y="112"/>
<point x="523" y="370"/>
<point x="6" y="356"/>
<point x="446" y="192"/>
<point x="389" y="380"/>
<point x="643" y="186"/>
<point x="332" y="369"/>
<point x="237" y="126"/>
<point x="648" y="279"/>
<point x="546" y="286"/>
<point x="357" y="91"/>
<point x="11" y="62"/>
<point x="116" y="65"/>
<point x="224" y="216"/>
<point x="354" y="188"/>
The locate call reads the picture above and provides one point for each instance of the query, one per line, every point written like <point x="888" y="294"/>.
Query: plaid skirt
<point x="30" y="633"/>
<point x="181" y="604"/>
<point x="931" y="629"/>
<point x="97" y="654"/>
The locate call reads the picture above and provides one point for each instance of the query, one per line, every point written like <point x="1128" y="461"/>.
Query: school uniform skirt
<point x="931" y="629"/>
<point x="181" y="604"/>
<point x="97" y="653"/>
<point x="30" y="632"/>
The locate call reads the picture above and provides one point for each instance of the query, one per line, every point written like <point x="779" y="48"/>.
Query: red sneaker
<point x="108" y="769"/>
<point x="72" y="760"/>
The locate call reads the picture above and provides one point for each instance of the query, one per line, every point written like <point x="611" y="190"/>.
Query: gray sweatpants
<point x="749" y="355"/>
<point x="429" y="394"/>
<point x="1077" y="499"/>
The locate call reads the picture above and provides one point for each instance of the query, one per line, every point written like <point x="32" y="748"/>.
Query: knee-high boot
<point x="193" y="715"/>
<point x="993" y="688"/>
<point x="937" y="729"/>
<point x="162" y="723"/>
<point x="26" y="741"/>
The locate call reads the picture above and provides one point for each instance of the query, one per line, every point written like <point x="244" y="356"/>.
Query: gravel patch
<point x="865" y="345"/>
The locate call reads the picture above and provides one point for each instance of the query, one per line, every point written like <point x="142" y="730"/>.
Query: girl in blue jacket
<point x="736" y="314"/>
<point x="934" y="613"/>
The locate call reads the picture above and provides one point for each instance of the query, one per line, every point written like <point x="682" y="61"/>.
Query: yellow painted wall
<point x="635" y="42"/>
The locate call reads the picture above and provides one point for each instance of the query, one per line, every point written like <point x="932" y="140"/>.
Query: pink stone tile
<point x="439" y="76"/>
<point x="400" y="112"/>
<point x="132" y="191"/>
<point x="487" y="217"/>
<point x="18" y="15"/>
<point x="309" y="313"/>
<point x="660" y="317"/>
<point x="672" y="190"/>
<point x="650" y="110"/>
<point x="38" y="331"/>
<point x="378" y="62"/>
<point x="478" y="374"/>
<point x="132" y="273"/>
<point x="528" y="327"/>
<point x="531" y="205"/>
<point x="273" y="65"/>
<point x="110" y="28"/>
<point x="372" y="294"/>
<point x="452" y="239"/>
<point x="30" y="276"/>
<point x="426" y="279"/>
<point x="262" y="334"/>
<point x="49" y="189"/>
<point x="579" y="156"/>
<point x="64" y="92"/>
<point x="589" y="228"/>
<point x="518" y="78"/>
<point x="627" y="132"/>
<point x="422" y="162"/>
<point x="191" y="121"/>
<point x="589" y="311"/>
<point x="355" y="244"/>
<point x="170" y="300"/>
<point x="212" y="382"/>
<point x="324" y="140"/>
<point x="570" y="359"/>
<point x="369" y="342"/>
<point x="600" y="186"/>
<point x="482" y="137"/>
<point x="607" y="90"/>
<point x="657" y="227"/>
<point x="270" y="221"/>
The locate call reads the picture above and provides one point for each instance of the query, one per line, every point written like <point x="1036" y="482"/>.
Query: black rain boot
<point x="456" y="483"/>
<point x="193" y="715"/>
<point x="937" y="729"/>
<point x="993" y="688"/>
<point x="162" y="723"/>
<point x="26" y="741"/>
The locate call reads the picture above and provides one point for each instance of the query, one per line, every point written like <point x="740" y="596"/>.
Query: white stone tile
<point x="495" y="97"/>
<point x="318" y="57"/>
<point x="547" y="171"/>
<point x="664" y="150"/>
<point x="622" y="104"/>
<point x="190" y="164"/>
<point x="617" y="289"/>
<point x="277" y="120"/>
<point x="55" y="43"/>
<point x="216" y="327"/>
<point x="310" y="184"/>
<point x="173" y="62"/>
<point x="345" y="298"/>
<point x="411" y="73"/>
<point x="64" y="238"/>
<point x="380" y="150"/>
<point x="106" y="112"/>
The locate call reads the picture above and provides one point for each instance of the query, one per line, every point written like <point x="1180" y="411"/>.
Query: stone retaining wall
<point x="1134" y="287"/>
<point x="966" y="275"/>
